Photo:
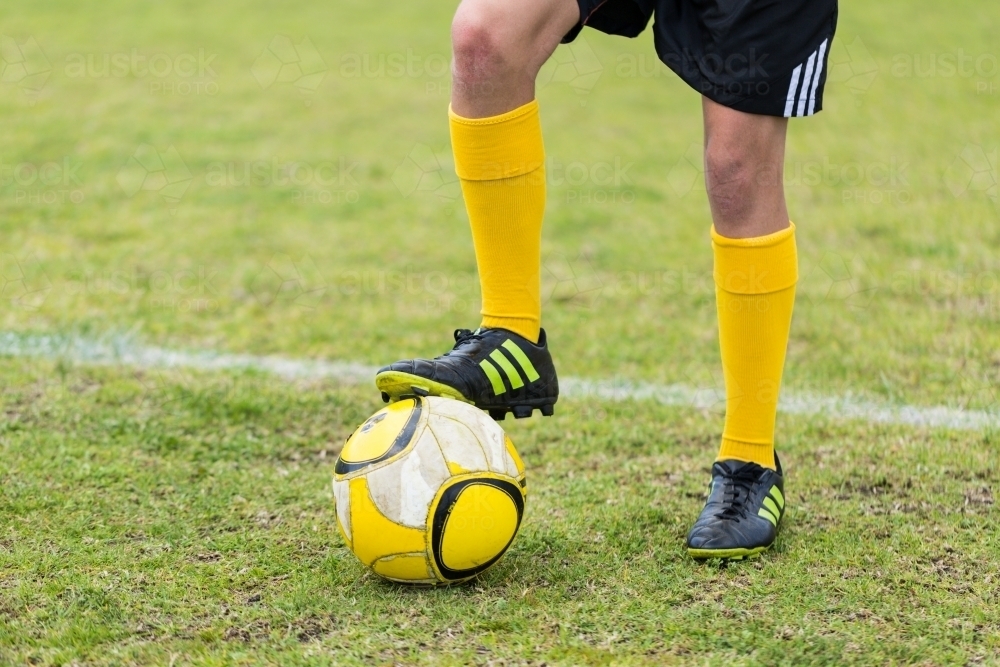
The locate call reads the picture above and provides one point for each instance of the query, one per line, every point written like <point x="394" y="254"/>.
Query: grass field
<point x="271" y="179"/>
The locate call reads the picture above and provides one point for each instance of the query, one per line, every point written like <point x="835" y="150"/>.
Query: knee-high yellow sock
<point x="500" y="162"/>
<point x="755" y="291"/>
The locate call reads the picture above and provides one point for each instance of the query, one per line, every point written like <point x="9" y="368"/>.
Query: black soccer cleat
<point x="494" y="369"/>
<point x="745" y="504"/>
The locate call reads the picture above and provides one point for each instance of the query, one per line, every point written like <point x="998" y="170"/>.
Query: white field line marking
<point x="125" y="351"/>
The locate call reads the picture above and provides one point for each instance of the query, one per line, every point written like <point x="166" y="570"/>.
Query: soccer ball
<point x="429" y="491"/>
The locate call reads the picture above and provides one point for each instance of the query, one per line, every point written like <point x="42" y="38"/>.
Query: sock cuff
<point x="489" y="149"/>
<point x="528" y="326"/>
<point x="761" y="453"/>
<point x="760" y="265"/>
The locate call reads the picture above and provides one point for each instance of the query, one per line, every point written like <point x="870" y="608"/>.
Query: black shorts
<point x="759" y="56"/>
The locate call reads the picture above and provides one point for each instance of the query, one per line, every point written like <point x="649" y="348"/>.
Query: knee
<point x="477" y="51"/>
<point x="731" y="179"/>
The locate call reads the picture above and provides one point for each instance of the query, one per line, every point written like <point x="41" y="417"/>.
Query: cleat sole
<point x="395" y="385"/>
<point x="398" y="385"/>
<point x="727" y="554"/>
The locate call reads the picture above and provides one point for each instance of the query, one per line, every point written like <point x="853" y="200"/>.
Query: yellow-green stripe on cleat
<point x="494" y="375"/>
<point x="521" y="358"/>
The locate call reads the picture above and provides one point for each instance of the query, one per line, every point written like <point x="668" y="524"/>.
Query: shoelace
<point x="464" y="337"/>
<point x="736" y="495"/>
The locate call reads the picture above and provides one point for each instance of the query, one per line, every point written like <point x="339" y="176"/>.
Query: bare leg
<point x="744" y="162"/>
<point x="499" y="46"/>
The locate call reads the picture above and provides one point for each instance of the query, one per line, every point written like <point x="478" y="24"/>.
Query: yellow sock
<point x="500" y="162"/>
<point x="755" y="291"/>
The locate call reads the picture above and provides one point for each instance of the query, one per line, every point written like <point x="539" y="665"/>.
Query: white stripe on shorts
<point x="815" y="82"/>
<point x="806" y="80"/>
<point x="792" y="87"/>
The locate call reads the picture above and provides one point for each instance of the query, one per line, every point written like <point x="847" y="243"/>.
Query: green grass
<point x="193" y="521"/>
<point x="187" y="518"/>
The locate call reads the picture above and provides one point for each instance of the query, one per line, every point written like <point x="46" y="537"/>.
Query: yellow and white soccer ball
<point x="429" y="491"/>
